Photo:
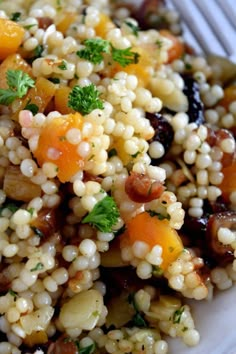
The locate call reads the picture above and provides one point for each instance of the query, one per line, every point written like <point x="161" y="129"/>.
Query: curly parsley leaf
<point x="18" y="84"/>
<point x="85" y="99"/>
<point x="124" y="56"/>
<point x="94" y="48"/>
<point x="104" y="215"/>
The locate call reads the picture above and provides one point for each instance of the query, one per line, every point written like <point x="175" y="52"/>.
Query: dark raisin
<point x="164" y="132"/>
<point x="195" y="110"/>
<point x="222" y="254"/>
<point x="194" y="230"/>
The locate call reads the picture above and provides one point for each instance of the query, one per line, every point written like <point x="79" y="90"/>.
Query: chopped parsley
<point x="159" y="43"/>
<point x="18" y="84"/>
<point x="38" y="51"/>
<point x="86" y="350"/>
<point x="32" y="107"/>
<point x="104" y="215"/>
<point x="85" y="99"/>
<point x="159" y="215"/>
<point x="177" y="315"/>
<point x="37" y="231"/>
<point x="136" y="154"/>
<point x="94" y="48"/>
<point x="135" y="29"/>
<point x="63" y="65"/>
<point x="137" y="319"/>
<point x="124" y="56"/>
<point x="31" y="211"/>
<point x="10" y="206"/>
<point x="13" y="293"/>
<point x="39" y="266"/>
<point x="54" y="80"/>
<point x="112" y="153"/>
<point x="15" y="16"/>
<point x="157" y="271"/>
<point x="188" y="66"/>
<point x="27" y="27"/>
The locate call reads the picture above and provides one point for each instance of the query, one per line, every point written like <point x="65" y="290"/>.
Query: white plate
<point x="216" y="322"/>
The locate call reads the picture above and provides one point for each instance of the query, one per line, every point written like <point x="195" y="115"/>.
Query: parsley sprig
<point x="94" y="48"/>
<point x="18" y="84"/>
<point x="138" y="319"/>
<point x="104" y="215"/>
<point x="85" y="99"/>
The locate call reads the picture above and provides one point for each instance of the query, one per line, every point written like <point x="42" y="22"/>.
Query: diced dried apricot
<point x="61" y="100"/>
<point x="13" y="62"/>
<point x="149" y="229"/>
<point x="65" y="20"/>
<point x="177" y="48"/>
<point x="105" y="24"/>
<point x="40" y="95"/>
<point x="228" y="185"/>
<point x="142" y="69"/>
<point x="53" y="146"/>
<point x="229" y="96"/>
<point x="11" y="34"/>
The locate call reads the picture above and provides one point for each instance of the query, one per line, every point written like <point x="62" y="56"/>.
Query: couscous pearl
<point x="87" y="248"/>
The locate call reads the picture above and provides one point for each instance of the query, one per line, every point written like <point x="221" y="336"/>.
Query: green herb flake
<point x="31" y="211"/>
<point x="136" y="154"/>
<point x="15" y="16"/>
<point x="112" y="153"/>
<point x="137" y="319"/>
<point x="27" y="27"/>
<point x="18" y="82"/>
<point x="39" y="266"/>
<point x="86" y="350"/>
<point x="157" y="271"/>
<point x="160" y="216"/>
<point x="177" y="315"/>
<point x="54" y="80"/>
<point x="188" y="66"/>
<point x="159" y="44"/>
<point x="94" y="50"/>
<point x="184" y="329"/>
<point x="38" y="51"/>
<point x="13" y="293"/>
<point x="10" y="206"/>
<point x="85" y="99"/>
<point x="104" y="215"/>
<point x="37" y="231"/>
<point x="124" y="56"/>
<point x="134" y="28"/>
<point x="62" y="138"/>
<point x="32" y="107"/>
<point x="63" y="65"/>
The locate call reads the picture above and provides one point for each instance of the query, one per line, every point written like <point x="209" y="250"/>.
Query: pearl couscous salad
<point x="117" y="177"/>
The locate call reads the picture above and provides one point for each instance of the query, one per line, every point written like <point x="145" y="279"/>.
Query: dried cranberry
<point x="164" y="132"/>
<point x="195" y="105"/>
